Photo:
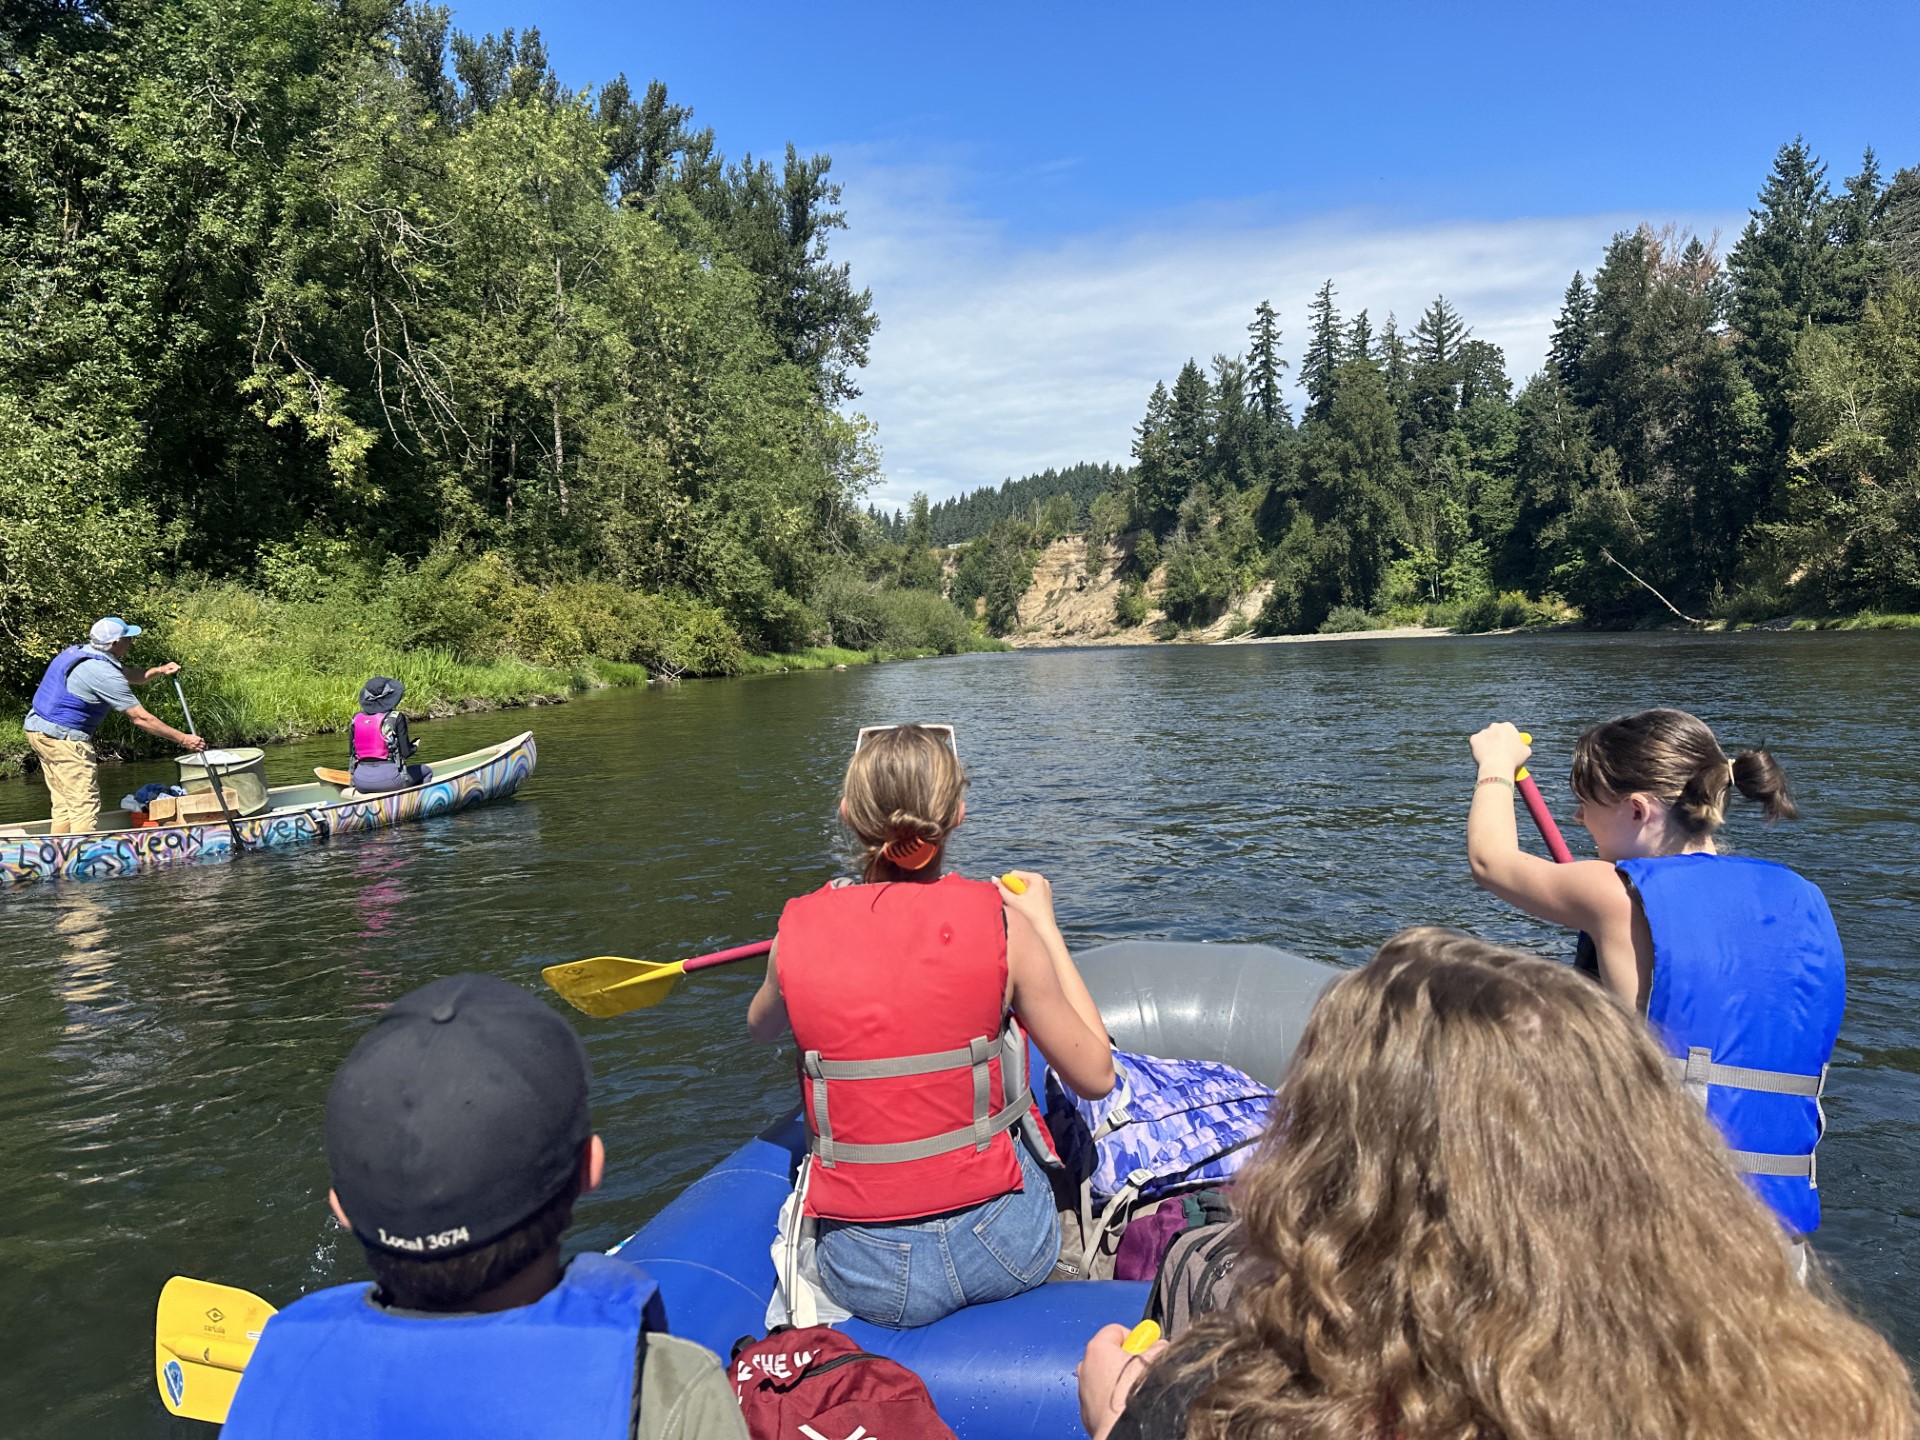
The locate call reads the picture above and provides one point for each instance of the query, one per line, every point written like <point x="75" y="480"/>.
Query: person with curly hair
<point x="1486" y="1210"/>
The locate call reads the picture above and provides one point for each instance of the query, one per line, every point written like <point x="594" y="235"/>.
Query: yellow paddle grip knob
<point x="1014" y="883"/>
<point x="1140" y="1337"/>
<point x="1525" y="739"/>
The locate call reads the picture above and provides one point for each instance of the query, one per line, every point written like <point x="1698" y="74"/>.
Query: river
<point x="166" y="1040"/>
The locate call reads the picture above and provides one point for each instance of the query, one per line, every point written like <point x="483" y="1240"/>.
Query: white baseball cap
<point x="113" y="628"/>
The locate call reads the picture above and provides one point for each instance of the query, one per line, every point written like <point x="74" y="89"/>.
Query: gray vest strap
<point x="977" y="1056"/>
<point x="1698" y="1071"/>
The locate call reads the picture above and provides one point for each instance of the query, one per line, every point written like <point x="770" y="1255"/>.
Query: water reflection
<point x="166" y="1040"/>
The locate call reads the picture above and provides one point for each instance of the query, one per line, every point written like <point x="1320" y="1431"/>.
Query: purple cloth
<point x="1145" y="1242"/>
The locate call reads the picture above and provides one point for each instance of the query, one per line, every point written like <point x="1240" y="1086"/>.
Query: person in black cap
<point x="458" y="1139"/>
<point x="380" y="743"/>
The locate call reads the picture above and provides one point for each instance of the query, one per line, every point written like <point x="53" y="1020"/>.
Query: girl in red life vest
<point x="907" y="996"/>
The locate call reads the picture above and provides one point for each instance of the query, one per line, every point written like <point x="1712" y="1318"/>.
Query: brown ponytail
<point x="1760" y="778"/>
<point x="903" y="795"/>
<point x="1674" y="757"/>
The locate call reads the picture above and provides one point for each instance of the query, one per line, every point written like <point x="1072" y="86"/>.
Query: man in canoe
<point x="458" y="1139"/>
<point x="82" y="684"/>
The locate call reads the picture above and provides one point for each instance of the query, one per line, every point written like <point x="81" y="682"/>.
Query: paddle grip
<point x="1543" y="818"/>
<point x="1141" y="1337"/>
<point x="726" y="957"/>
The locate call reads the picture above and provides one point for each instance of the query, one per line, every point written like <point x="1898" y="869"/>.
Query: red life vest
<point x="370" y="739"/>
<point x="911" y="1071"/>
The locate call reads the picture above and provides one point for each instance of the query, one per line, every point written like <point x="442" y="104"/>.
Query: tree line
<point x="324" y="287"/>
<point x="1730" y="437"/>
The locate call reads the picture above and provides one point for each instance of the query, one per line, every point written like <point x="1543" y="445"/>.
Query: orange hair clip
<point x="911" y="854"/>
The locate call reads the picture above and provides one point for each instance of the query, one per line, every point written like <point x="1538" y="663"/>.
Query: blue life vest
<point x="1749" y="985"/>
<point x="333" y="1365"/>
<point x="54" y="701"/>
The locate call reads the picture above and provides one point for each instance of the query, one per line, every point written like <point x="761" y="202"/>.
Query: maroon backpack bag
<point x="816" y="1384"/>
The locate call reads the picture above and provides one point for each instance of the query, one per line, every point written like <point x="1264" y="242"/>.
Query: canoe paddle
<point x="1537" y="807"/>
<point x="609" y="985"/>
<point x="213" y="774"/>
<point x="203" y="1336"/>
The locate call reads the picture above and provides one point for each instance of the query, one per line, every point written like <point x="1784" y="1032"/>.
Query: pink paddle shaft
<point x="1543" y="818"/>
<point x="727" y="957"/>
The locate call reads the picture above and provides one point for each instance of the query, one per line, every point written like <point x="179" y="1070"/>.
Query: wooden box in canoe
<point x="297" y="815"/>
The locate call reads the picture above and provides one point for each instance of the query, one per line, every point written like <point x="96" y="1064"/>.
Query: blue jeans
<point x="916" y="1271"/>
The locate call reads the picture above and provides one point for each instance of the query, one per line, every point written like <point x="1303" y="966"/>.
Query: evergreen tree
<point x="1858" y="222"/>
<point x="1437" y="376"/>
<point x="1572" y="334"/>
<point x="1785" y="277"/>
<point x="1324" y="353"/>
<point x="1899" y="233"/>
<point x="1354" y="490"/>
<point x="1360" y="338"/>
<point x="1264" y="366"/>
<point x="1158" y="486"/>
<point x="1189" y="440"/>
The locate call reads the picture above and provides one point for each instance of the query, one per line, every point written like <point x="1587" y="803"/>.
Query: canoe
<point x="1004" y="1369"/>
<point x="295" y="815"/>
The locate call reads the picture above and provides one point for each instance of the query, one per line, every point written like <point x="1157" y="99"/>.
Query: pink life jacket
<point x="370" y="740"/>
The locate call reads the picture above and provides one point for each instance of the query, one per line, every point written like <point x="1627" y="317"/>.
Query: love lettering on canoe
<point x="295" y="815"/>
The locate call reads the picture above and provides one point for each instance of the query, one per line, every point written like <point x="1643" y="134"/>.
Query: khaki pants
<point x="73" y="775"/>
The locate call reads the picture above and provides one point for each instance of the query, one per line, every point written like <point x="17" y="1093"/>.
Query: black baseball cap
<point x="457" y="1116"/>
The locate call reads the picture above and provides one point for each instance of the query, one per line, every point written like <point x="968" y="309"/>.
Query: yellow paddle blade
<point x="203" y="1336"/>
<point x="608" y="985"/>
<point x="342" y="778"/>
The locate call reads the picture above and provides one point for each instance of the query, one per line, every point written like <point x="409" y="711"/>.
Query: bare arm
<point x="1079" y="1052"/>
<point x="154" y="725"/>
<point x="1036" y="903"/>
<point x="767" y="1011"/>
<point x="1588" y="895"/>
<point x="141" y="674"/>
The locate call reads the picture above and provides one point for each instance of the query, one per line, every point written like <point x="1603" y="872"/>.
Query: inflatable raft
<point x="1004" y="1369"/>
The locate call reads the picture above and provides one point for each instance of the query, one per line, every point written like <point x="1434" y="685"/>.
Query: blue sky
<point x="1056" y="205"/>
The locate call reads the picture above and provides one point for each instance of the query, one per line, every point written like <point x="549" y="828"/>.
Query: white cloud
<point x="999" y="355"/>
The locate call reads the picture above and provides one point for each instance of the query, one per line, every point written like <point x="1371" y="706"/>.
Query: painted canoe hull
<point x="300" y="815"/>
<point x="1005" y="1369"/>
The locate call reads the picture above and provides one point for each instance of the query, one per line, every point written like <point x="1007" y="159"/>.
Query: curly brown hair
<point x="1485" y="1210"/>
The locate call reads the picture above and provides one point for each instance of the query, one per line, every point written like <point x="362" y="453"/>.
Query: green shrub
<point x="1344" y="619"/>
<point x="1130" y="604"/>
<point x="862" y="616"/>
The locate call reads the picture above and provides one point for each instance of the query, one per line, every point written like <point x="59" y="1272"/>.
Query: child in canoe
<point x="1483" y="1209"/>
<point x="907" y="996"/>
<point x="1735" y="962"/>
<point x="380" y="743"/>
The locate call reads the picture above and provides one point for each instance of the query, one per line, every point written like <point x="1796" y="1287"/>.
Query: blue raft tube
<point x="1005" y="1369"/>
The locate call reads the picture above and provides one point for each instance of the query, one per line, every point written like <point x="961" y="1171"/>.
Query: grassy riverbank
<point x="270" y="705"/>
<point x="261" y="667"/>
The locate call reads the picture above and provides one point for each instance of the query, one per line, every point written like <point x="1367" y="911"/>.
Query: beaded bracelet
<point x="1506" y="780"/>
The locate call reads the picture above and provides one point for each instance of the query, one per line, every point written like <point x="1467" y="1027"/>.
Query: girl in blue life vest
<point x="907" y="996"/>
<point x="1735" y="962"/>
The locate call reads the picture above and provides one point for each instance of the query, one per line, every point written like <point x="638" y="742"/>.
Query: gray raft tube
<point x="1244" y="1004"/>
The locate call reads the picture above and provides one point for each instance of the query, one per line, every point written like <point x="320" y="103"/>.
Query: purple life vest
<point x="54" y="701"/>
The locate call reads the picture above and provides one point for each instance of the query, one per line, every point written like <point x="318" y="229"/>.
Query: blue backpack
<point x="1168" y="1126"/>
